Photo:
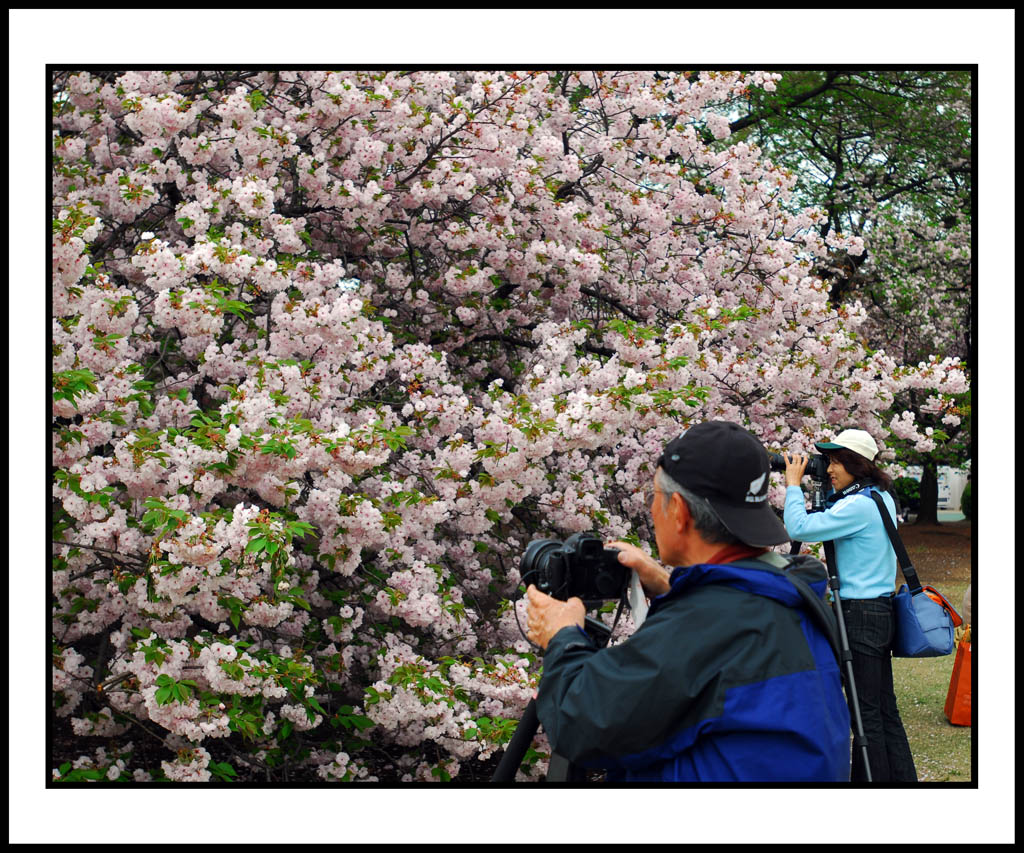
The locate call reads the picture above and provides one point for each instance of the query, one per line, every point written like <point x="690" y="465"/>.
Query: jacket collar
<point x="767" y="581"/>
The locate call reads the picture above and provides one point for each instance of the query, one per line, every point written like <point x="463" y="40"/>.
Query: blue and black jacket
<point x="729" y="679"/>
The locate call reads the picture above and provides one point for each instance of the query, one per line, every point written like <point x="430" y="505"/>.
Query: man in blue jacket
<point x="731" y="677"/>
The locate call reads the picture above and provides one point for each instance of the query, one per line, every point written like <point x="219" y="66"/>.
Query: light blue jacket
<point x="866" y="560"/>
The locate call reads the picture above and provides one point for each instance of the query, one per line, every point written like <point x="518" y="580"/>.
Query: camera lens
<point x="535" y="566"/>
<point x="817" y="467"/>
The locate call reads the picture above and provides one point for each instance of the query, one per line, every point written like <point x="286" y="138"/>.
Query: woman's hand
<point x="796" y="464"/>
<point x="653" y="576"/>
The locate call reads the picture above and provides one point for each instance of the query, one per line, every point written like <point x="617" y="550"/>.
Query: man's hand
<point x="653" y="576"/>
<point x="546" y="616"/>
<point x="795" y="467"/>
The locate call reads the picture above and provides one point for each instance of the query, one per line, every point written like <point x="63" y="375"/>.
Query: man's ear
<point x="679" y="513"/>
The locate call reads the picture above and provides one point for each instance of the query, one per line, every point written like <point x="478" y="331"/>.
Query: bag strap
<point x="913" y="584"/>
<point x="815" y="605"/>
<point x="819" y="611"/>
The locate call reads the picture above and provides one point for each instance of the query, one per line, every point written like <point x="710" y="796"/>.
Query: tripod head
<point x="817" y="495"/>
<point x="597" y="630"/>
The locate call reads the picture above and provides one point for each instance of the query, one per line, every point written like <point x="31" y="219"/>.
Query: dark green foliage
<point x="967" y="503"/>
<point x="909" y="491"/>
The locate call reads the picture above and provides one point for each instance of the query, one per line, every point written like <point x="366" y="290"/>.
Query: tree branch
<point x="747" y="121"/>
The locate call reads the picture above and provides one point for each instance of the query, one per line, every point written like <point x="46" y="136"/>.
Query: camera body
<point x="581" y="567"/>
<point x="817" y="465"/>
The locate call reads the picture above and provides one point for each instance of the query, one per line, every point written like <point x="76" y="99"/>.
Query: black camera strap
<point x="852" y="489"/>
<point x="830" y="545"/>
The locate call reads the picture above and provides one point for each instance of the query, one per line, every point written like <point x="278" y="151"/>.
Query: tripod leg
<point x="516" y="749"/>
<point x="859" y="740"/>
<point x="844" y="645"/>
<point x="559" y="769"/>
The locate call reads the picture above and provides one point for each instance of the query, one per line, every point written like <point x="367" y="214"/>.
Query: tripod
<point x="560" y="769"/>
<point x="859" y="740"/>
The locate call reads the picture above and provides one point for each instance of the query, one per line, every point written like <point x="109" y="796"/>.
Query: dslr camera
<point x="581" y="567"/>
<point x="817" y="465"/>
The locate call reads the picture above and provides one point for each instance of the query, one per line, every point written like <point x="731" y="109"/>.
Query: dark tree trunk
<point x="928" y="512"/>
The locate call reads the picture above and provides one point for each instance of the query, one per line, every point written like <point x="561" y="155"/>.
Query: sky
<point x="521" y="37"/>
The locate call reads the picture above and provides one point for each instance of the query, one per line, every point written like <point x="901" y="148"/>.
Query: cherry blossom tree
<point x="330" y="348"/>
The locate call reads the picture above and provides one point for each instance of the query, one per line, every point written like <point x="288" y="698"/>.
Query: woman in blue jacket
<point x="866" y="565"/>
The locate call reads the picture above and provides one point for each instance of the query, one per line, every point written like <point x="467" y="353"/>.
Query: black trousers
<point x="870" y="627"/>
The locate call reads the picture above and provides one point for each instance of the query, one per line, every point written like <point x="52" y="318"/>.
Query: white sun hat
<point x="857" y="440"/>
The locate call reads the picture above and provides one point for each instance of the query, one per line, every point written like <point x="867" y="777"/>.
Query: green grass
<point x="942" y="751"/>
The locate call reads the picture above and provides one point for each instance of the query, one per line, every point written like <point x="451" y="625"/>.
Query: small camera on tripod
<point x="817" y="465"/>
<point x="581" y="567"/>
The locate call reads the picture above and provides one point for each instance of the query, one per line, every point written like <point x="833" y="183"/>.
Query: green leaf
<point x="222" y="770"/>
<point x="71" y="384"/>
<point x="257" y="544"/>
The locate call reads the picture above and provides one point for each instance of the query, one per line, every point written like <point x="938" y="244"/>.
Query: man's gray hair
<point x="705" y="519"/>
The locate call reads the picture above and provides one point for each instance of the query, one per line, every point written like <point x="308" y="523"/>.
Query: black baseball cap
<point x="724" y="463"/>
